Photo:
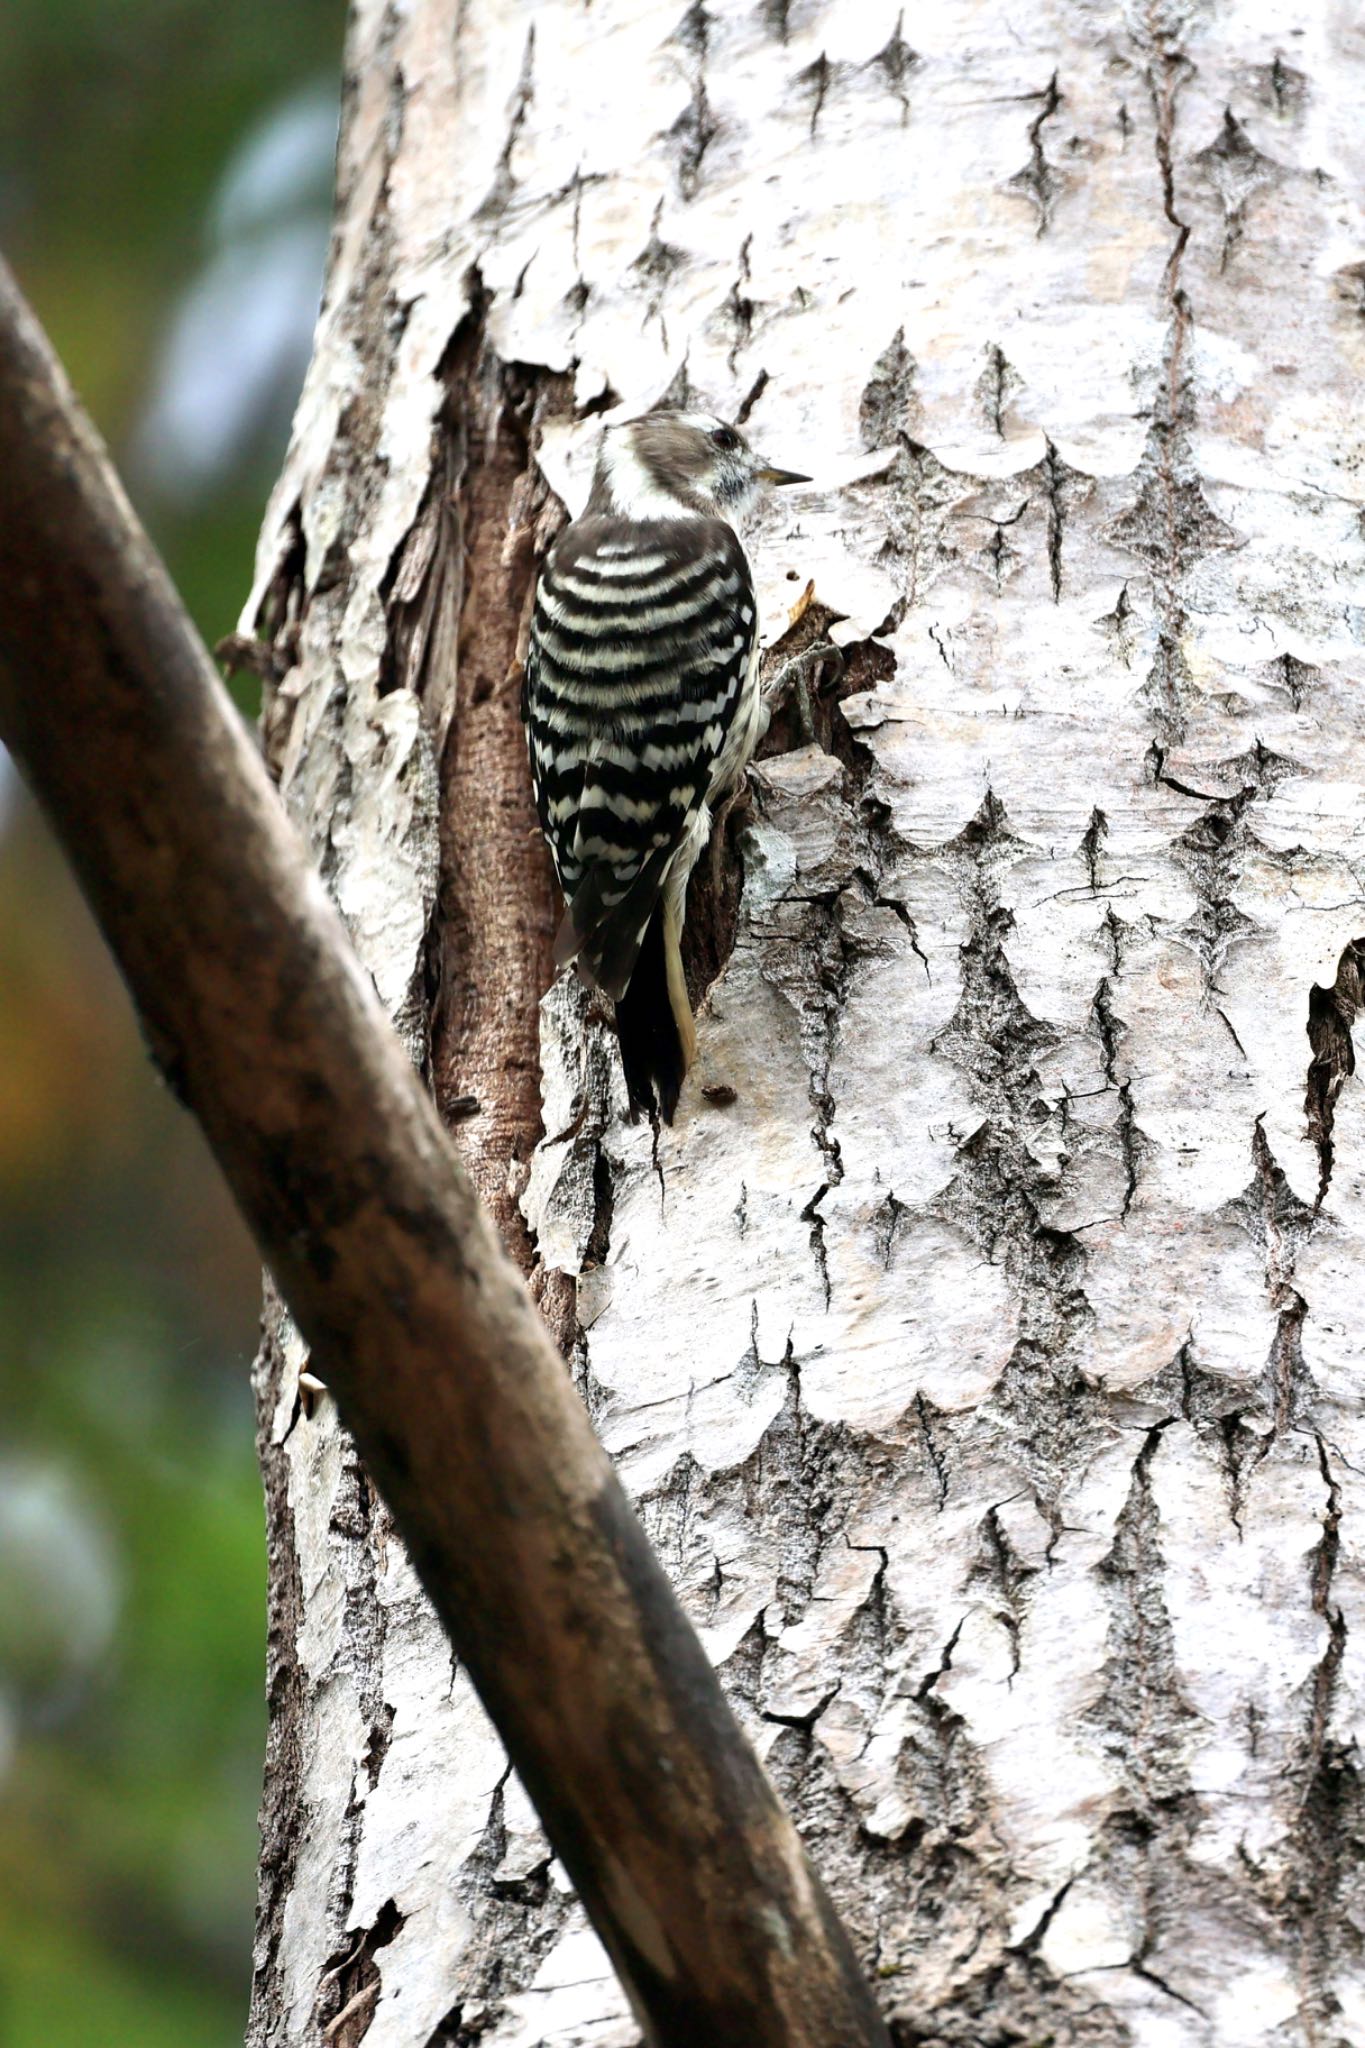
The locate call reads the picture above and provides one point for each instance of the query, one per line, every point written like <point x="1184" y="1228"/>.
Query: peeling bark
<point x="982" y="1346"/>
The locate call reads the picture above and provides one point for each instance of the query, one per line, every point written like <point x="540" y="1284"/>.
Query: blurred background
<point x="165" y="171"/>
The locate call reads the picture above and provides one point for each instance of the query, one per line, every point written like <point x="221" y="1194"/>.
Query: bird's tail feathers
<point x="603" y="939"/>
<point x="630" y="950"/>
<point x="654" y="1021"/>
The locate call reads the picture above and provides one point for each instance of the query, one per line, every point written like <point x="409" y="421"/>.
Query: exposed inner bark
<point x="496" y="908"/>
<point x="1331" y="1014"/>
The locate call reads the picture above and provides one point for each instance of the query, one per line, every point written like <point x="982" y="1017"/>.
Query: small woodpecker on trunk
<point x="642" y="707"/>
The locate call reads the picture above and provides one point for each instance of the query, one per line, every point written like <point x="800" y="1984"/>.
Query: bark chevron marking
<point x="1238" y="172"/>
<point x="896" y="60"/>
<point x="1039" y="180"/>
<point x="696" y="127"/>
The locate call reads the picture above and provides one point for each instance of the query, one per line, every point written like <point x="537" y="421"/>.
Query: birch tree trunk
<point x="982" y="1345"/>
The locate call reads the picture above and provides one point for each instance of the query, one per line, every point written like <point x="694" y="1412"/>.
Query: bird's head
<point x="667" y="465"/>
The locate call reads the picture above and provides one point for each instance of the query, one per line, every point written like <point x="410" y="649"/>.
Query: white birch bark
<point x="988" y="1369"/>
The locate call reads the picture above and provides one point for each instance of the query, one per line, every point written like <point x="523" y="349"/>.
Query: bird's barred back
<point x="640" y="650"/>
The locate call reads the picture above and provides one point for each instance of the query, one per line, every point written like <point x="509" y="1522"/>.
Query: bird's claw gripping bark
<point x="800" y="679"/>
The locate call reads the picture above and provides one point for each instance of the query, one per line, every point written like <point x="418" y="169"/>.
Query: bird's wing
<point x="640" y="644"/>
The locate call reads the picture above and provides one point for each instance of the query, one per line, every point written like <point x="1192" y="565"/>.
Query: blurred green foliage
<point x="131" y="1547"/>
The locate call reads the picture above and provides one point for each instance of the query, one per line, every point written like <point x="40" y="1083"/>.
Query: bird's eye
<point x="725" y="437"/>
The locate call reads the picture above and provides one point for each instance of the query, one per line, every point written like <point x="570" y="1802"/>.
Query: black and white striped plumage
<point x="642" y="706"/>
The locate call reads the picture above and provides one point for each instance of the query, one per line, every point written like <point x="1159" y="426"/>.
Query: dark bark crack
<point x="1279" y="1224"/>
<point x="887" y="408"/>
<point x="1332" y="1013"/>
<point x="1147" y="1730"/>
<point x="1064" y="488"/>
<point x="657" y="264"/>
<point x="696" y="127"/>
<point x="815" y="82"/>
<point x="1168" y="73"/>
<point x="896" y="60"/>
<point x="888" y="1221"/>
<point x="350" y="1983"/>
<point x="1279" y="87"/>
<point x="1320" y="1887"/>
<point x="1092" y="842"/>
<point x="811" y="1215"/>
<point x="1211" y="851"/>
<point x="926" y="1415"/>
<point x="501" y="191"/>
<point x="1039" y="180"/>
<point x="516" y="1922"/>
<point x="777" y="18"/>
<point x="918" y="498"/>
<point x="996" y="387"/>
<point x="1238" y="171"/>
<point x="1131" y="1142"/>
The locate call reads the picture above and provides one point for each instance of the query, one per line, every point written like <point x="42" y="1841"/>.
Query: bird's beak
<point x="768" y="474"/>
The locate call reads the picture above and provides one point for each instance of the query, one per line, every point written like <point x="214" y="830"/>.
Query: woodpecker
<point x="642" y="708"/>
